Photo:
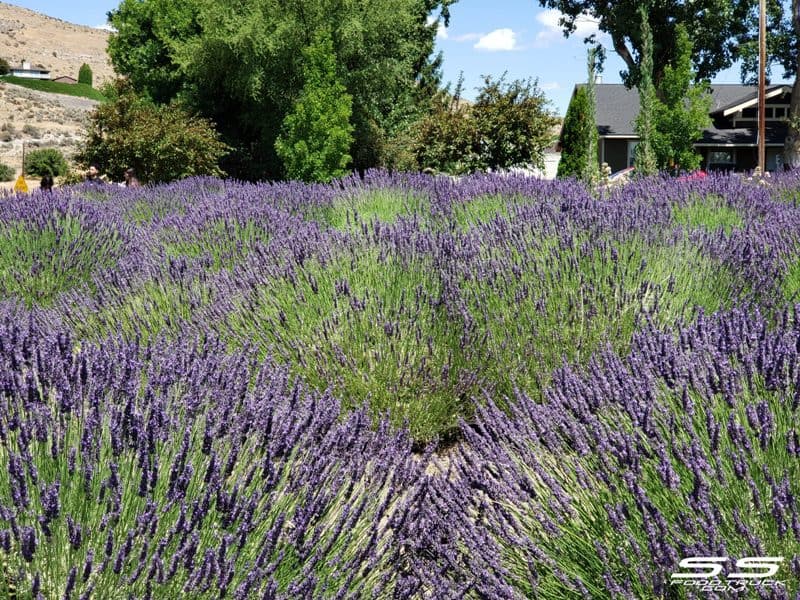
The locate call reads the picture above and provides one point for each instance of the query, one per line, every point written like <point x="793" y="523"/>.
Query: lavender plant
<point x="687" y="447"/>
<point x="170" y="470"/>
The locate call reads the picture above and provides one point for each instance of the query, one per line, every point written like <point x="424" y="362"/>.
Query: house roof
<point x="751" y="99"/>
<point x="617" y="107"/>
<point x="742" y="136"/>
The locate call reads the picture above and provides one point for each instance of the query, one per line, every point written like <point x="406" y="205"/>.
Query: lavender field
<point x="399" y="386"/>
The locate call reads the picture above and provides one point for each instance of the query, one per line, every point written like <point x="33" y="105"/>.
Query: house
<point x="730" y="143"/>
<point x="65" y="79"/>
<point x="25" y="70"/>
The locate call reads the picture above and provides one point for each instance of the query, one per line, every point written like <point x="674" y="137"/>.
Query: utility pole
<point x="762" y="86"/>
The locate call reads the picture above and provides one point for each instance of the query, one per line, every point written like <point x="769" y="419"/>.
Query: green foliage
<point x="576" y="134"/>
<point x="680" y="112"/>
<point x="56" y="87"/>
<point x="443" y="141"/>
<point x="645" y="161"/>
<point x="7" y="173"/>
<point x="5" y="68"/>
<point x="508" y="125"/>
<point x="317" y="134"/>
<point x="714" y="27"/>
<point x="85" y="75"/>
<point x="514" y="123"/>
<point x="591" y="171"/>
<point x="46" y="161"/>
<point x="241" y="66"/>
<point x="162" y="143"/>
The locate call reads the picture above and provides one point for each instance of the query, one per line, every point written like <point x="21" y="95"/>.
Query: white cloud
<point x="498" y="40"/>
<point x="550" y="86"/>
<point x="585" y="25"/>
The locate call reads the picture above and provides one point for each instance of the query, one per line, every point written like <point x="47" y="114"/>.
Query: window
<point x="721" y="160"/>
<point x="632" y="153"/>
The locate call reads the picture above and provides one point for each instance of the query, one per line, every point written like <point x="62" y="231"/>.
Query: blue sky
<point x="484" y="38"/>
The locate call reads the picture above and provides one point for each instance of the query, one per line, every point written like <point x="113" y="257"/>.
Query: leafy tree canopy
<point x="317" y="133"/>
<point x="681" y="111"/>
<point x="241" y="65"/>
<point x="714" y="27"/>
<point x="510" y="124"/>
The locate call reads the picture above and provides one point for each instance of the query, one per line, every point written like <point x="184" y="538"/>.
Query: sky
<point x="516" y="37"/>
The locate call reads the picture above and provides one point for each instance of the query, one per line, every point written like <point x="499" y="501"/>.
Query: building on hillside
<point x="65" y="79"/>
<point x="730" y="144"/>
<point x="25" y="70"/>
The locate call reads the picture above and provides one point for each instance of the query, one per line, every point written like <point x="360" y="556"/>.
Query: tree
<point x="5" y="68"/>
<point x="681" y="111"/>
<point x="508" y="125"/>
<point x="576" y="135"/>
<point x="514" y="123"/>
<point x="85" y="74"/>
<point x="317" y="134"/>
<point x="240" y="64"/>
<point x="714" y="27"/>
<point x="591" y="172"/>
<point x="444" y="138"/>
<point x="161" y="142"/>
<point x="645" y="159"/>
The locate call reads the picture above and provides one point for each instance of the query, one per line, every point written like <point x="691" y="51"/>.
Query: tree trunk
<point x="791" y="149"/>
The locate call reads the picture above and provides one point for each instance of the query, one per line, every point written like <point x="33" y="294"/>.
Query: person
<point x="46" y="184"/>
<point x="130" y="178"/>
<point x="93" y="175"/>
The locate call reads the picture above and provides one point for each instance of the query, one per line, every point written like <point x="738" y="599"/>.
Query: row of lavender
<point x="157" y="444"/>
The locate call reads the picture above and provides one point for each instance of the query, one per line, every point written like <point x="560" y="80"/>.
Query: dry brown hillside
<point x="57" y="45"/>
<point x="38" y="118"/>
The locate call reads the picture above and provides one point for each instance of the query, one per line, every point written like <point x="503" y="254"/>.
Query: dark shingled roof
<point x="775" y="135"/>
<point x="618" y="107"/>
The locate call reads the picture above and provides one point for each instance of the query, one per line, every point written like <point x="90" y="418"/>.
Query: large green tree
<point x="713" y="25"/>
<point x="681" y="111"/>
<point x="240" y="64"/>
<point x="317" y="133"/>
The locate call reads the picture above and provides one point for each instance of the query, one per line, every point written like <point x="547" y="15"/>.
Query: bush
<point x="508" y="125"/>
<point x="32" y="131"/>
<point x="6" y="173"/>
<point x="85" y="75"/>
<point x="5" y="68"/>
<point x="47" y="161"/>
<point x="162" y="143"/>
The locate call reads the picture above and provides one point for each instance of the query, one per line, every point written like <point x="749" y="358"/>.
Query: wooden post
<point x="762" y="91"/>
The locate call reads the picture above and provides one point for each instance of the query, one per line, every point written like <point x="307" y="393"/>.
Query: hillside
<point x="37" y="118"/>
